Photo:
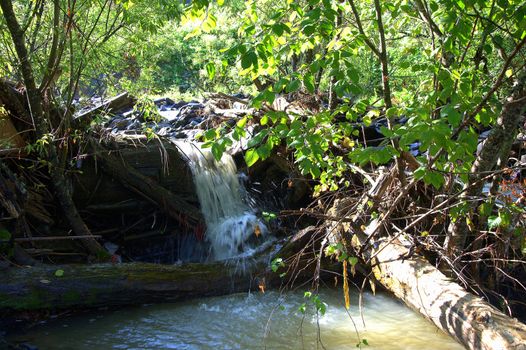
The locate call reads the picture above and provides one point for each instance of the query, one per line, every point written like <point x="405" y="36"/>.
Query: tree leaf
<point x="251" y="157"/>
<point x="293" y="86"/>
<point x="308" y="81"/>
<point x="211" y="70"/>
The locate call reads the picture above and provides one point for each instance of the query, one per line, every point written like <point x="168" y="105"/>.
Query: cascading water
<point x="231" y="223"/>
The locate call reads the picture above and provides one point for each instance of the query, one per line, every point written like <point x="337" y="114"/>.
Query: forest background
<point x="433" y="77"/>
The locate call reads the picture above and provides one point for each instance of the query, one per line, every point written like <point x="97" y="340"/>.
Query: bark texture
<point x="58" y="178"/>
<point x="74" y="286"/>
<point x="132" y="179"/>
<point x="469" y="319"/>
<point x="496" y="147"/>
<point x="39" y="288"/>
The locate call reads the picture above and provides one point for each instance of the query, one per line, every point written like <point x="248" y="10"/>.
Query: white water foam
<point x="230" y="222"/>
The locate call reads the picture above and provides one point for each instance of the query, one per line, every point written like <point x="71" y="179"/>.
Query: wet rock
<point x="180" y="135"/>
<point x="170" y="115"/>
<point x="414" y="148"/>
<point x="119" y="123"/>
<point x="135" y="125"/>
<point x="128" y="113"/>
<point x="163" y="102"/>
<point x="164" y="131"/>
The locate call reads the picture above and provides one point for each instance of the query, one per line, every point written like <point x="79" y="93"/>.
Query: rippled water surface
<point x="245" y="321"/>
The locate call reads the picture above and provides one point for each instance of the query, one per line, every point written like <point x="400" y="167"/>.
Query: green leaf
<point x="309" y="29"/>
<point x="280" y="84"/>
<point x="251" y="157"/>
<point x="276" y="264"/>
<point x="434" y="178"/>
<point x="258" y="138"/>
<point x="505" y="218"/>
<point x="386" y="132"/>
<point x="59" y="273"/>
<point x="308" y="80"/>
<point x="242" y="122"/>
<point x="485" y="208"/>
<point x="302" y="308"/>
<point x="278" y="29"/>
<point x="217" y="151"/>
<point x="264" y="150"/>
<point x="453" y="117"/>
<point x="211" y="70"/>
<point x="268" y="216"/>
<point x="249" y="59"/>
<point x="293" y="86"/>
<point x="494" y="222"/>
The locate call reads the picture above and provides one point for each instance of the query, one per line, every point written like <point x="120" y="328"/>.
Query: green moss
<point x="36" y="299"/>
<point x="71" y="297"/>
<point x="92" y="297"/>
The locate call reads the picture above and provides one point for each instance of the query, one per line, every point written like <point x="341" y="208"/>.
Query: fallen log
<point x="85" y="286"/>
<point x="467" y="318"/>
<point x="59" y="287"/>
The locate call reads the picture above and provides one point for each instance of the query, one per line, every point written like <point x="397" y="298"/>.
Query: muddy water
<point x="245" y="321"/>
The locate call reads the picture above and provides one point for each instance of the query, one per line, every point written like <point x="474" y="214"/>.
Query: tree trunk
<point x="496" y="146"/>
<point x="58" y="178"/>
<point x="469" y="319"/>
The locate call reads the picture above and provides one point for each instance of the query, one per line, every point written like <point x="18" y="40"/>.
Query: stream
<point x="244" y="321"/>
<point x="239" y="321"/>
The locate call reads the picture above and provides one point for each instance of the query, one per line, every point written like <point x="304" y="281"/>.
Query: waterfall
<point x="231" y="224"/>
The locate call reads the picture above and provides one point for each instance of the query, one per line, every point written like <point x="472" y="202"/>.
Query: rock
<point x="135" y="125"/>
<point x="119" y="123"/>
<point x="170" y="115"/>
<point x="163" y="102"/>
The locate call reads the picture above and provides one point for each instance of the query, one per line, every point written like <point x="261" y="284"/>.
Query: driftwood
<point x="469" y="319"/>
<point x="11" y="143"/>
<point x="113" y="104"/>
<point x="173" y="205"/>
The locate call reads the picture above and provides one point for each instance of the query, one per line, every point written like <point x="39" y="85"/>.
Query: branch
<point x="422" y="10"/>
<point x="52" y="64"/>
<point x="362" y="32"/>
<point x="383" y="56"/>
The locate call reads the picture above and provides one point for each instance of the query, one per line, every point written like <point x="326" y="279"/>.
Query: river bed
<point x="245" y="321"/>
